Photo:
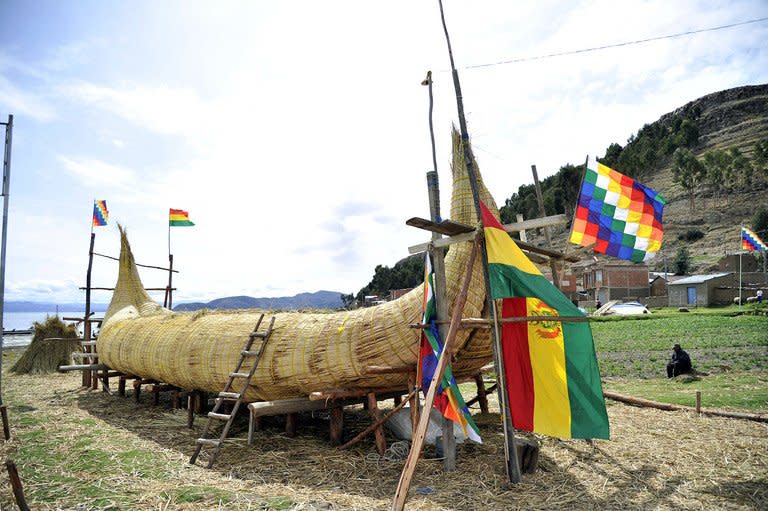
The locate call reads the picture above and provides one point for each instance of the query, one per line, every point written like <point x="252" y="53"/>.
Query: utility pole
<point x="6" y="189"/>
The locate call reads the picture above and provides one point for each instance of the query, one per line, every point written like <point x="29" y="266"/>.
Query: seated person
<point x="680" y="363"/>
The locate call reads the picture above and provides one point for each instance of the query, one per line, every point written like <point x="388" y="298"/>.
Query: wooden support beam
<point x="373" y="408"/>
<point x="83" y="367"/>
<point x="291" y="421"/>
<point x="390" y="369"/>
<point x="348" y="393"/>
<point x="482" y="398"/>
<point x="6" y="427"/>
<point x="336" y="424"/>
<point x="475" y="399"/>
<point x="447" y="227"/>
<point x="18" y="490"/>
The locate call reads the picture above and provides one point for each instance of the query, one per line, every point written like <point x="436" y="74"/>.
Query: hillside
<point x="734" y="118"/>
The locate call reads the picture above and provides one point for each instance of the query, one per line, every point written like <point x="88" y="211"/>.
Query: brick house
<point x="615" y="281"/>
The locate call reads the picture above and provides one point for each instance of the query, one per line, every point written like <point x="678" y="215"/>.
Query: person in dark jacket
<point x="680" y="363"/>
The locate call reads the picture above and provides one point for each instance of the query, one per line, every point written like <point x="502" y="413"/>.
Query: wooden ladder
<point x="237" y="396"/>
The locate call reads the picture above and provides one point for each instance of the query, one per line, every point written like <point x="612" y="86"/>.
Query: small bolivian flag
<point x="179" y="218"/>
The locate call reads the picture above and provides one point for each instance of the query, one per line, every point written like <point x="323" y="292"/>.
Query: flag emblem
<point x="100" y="213"/>
<point x="618" y="215"/>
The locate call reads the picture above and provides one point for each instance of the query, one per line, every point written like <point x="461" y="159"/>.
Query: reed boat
<point x="306" y="352"/>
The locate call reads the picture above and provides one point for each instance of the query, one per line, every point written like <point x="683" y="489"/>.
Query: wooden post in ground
<point x="698" y="402"/>
<point x="482" y="399"/>
<point x="336" y="424"/>
<point x="6" y="428"/>
<point x="401" y="495"/>
<point x="86" y="318"/>
<point x="373" y="408"/>
<point x="18" y="491"/>
<point x="291" y="420"/>
<point x="512" y="465"/>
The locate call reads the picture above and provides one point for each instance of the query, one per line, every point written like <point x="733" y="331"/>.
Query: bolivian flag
<point x="552" y="377"/>
<point x="179" y="218"/>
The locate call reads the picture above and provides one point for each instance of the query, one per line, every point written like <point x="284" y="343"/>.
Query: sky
<point x="296" y="133"/>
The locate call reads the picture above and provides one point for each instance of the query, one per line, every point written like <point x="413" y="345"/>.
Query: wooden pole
<point x="18" y="491"/>
<point x="543" y="213"/>
<point x="698" y="402"/>
<point x="512" y="465"/>
<point x="169" y="290"/>
<point x="86" y="323"/>
<point x="6" y="427"/>
<point x="417" y="444"/>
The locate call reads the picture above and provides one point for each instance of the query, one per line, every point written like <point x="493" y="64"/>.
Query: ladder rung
<point x="229" y="395"/>
<point x="88" y="343"/>
<point x="247" y="353"/>
<point x="254" y="335"/>
<point x="220" y="416"/>
<point x="239" y="375"/>
<point x="208" y="441"/>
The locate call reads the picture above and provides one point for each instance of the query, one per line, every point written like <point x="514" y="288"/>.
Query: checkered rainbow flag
<point x="618" y="215"/>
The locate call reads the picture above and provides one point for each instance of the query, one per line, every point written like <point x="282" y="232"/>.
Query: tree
<point x="760" y="223"/>
<point x="347" y="300"/>
<point x="760" y="158"/>
<point x="687" y="171"/>
<point x="741" y="168"/>
<point x="715" y="165"/>
<point x="682" y="262"/>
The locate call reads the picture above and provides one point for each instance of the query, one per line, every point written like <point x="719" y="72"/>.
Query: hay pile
<point x="44" y="355"/>
<point x="656" y="460"/>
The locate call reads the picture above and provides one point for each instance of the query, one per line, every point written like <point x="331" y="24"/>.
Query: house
<point x="737" y="262"/>
<point x="704" y="290"/>
<point x="615" y="281"/>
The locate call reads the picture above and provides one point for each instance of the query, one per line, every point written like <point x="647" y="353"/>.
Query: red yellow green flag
<point x="179" y="218"/>
<point x="552" y="376"/>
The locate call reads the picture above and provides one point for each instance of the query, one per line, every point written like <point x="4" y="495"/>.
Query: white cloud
<point x="23" y="103"/>
<point x="95" y="173"/>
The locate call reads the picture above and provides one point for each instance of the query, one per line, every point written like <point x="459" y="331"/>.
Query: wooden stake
<point x="698" y="402"/>
<point x="401" y="495"/>
<point x="6" y="428"/>
<point x="86" y="323"/>
<point x="373" y="408"/>
<point x="18" y="491"/>
<point x="337" y="424"/>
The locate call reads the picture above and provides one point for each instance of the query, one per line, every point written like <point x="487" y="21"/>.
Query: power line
<point x="617" y="45"/>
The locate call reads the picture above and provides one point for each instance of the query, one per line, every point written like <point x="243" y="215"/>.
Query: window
<point x="598" y="277"/>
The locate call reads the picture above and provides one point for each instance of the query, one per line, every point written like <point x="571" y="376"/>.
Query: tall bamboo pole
<point x="510" y="452"/>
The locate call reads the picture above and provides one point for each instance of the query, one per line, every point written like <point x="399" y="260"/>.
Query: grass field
<point x="729" y="346"/>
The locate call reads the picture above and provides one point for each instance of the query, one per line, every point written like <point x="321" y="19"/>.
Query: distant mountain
<point x="24" y="306"/>
<point x="317" y="300"/>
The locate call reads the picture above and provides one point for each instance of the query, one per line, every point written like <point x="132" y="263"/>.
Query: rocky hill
<point x="317" y="300"/>
<point x="734" y="118"/>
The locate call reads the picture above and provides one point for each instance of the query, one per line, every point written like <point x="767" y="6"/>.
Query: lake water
<point x="24" y="320"/>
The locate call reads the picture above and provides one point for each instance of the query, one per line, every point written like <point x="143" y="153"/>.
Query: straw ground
<point x="81" y="449"/>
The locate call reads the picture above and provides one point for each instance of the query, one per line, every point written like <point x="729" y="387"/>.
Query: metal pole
<point x="87" y="317"/>
<point x="6" y="197"/>
<point x="510" y="451"/>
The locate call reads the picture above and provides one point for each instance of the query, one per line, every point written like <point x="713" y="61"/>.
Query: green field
<point x="727" y="345"/>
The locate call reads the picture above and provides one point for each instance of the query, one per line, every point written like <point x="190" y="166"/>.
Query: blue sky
<point x="295" y="133"/>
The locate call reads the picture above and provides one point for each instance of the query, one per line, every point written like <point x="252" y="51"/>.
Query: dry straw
<point x="306" y="352"/>
<point x="52" y="346"/>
